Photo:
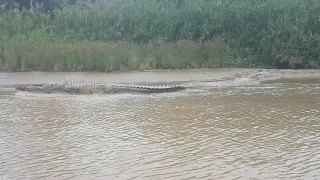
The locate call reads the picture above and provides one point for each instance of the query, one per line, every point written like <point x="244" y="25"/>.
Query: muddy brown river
<point x="227" y="124"/>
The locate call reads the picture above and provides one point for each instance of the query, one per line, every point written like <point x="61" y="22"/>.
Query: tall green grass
<point x="265" y="33"/>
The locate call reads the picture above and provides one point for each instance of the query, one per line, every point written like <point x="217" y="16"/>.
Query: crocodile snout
<point x="29" y="88"/>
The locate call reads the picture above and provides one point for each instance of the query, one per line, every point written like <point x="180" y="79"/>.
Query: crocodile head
<point x="35" y="87"/>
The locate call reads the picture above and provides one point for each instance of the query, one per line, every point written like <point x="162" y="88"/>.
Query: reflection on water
<point x="265" y="132"/>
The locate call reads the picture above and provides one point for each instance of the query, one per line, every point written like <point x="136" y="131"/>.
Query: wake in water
<point x="237" y="78"/>
<point x="258" y="78"/>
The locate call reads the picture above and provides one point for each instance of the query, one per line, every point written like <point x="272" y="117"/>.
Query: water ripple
<point x="229" y="133"/>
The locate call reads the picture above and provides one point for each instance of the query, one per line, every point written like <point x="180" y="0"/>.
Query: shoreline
<point x="223" y="76"/>
<point x="163" y="69"/>
<point x="133" y="71"/>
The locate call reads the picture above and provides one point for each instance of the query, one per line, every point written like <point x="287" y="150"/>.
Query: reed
<point x="266" y="33"/>
<point x="113" y="56"/>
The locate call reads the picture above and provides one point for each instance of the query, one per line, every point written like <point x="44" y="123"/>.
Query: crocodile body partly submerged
<point x="93" y="87"/>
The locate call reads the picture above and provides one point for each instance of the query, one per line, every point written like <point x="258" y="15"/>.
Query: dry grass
<point x="114" y="56"/>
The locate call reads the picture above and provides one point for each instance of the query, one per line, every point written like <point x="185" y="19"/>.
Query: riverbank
<point x="191" y="78"/>
<point x="152" y="34"/>
<point x="118" y="56"/>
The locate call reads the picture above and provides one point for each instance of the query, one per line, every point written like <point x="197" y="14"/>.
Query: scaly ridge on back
<point x="76" y="86"/>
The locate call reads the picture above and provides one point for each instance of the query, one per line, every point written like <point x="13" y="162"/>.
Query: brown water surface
<point x="232" y="129"/>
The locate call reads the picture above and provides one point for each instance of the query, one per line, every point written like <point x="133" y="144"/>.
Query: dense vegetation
<point x="138" y="34"/>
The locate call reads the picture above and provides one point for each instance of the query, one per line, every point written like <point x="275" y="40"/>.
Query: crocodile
<point x="94" y="87"/>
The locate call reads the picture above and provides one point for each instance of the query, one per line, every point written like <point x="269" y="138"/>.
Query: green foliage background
<point x="250" y="33"/>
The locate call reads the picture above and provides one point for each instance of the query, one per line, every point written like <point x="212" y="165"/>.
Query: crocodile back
<point x="132" y="87"/>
